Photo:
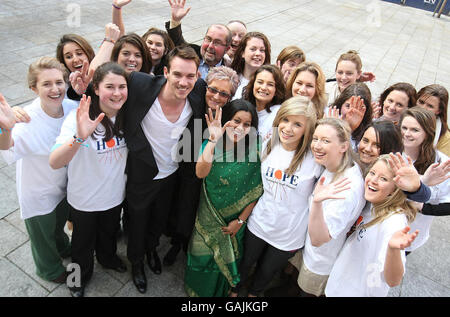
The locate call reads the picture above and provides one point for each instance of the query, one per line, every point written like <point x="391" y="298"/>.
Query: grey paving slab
<point x="397" y="43"/>
<point x="8" y="195"/>
<point x="16" y="283"/>
<point x="11" y="238"/>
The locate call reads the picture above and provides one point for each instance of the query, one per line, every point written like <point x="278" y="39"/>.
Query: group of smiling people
<point x="290" y="171"/>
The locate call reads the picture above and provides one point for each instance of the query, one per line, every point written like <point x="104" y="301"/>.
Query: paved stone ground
<point x="396" y="43"/>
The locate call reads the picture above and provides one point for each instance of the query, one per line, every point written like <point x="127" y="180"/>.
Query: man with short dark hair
<point x="215" y="44"/>
<point x="159" y="109"/>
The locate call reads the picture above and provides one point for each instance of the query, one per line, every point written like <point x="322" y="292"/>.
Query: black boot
<point x="139" y="278"/>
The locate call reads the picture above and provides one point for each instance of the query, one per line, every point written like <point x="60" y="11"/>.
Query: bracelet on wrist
<point x="212" y="141"/>
<point x="3" y="129"/>
<point x="78" y="140"/>
<point x="240" y="221"/>
<point x="116" y="7"/>
<point x="107" y="39"/>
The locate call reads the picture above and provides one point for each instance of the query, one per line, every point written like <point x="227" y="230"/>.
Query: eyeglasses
<point x="215" y="91"/>
<point x="208" y="40"/>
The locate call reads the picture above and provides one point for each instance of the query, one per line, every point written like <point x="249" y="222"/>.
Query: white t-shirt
<point x="339" y="215"/>
<point x="39" y="187"/>
<point x="281" y="215"/>
<point x="96" y="174"/>
<point x="439" y="194"/>
<point x="242" y="83"/>
<point x="332" y="91"/>
<point x="265" y="120"/>
<point x="163" y="136"/>
<point x="359" y="267"/>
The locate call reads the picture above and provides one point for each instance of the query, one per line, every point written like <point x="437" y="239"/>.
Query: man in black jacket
<point x="215" y="44"/>
<point x="159" y="110"/>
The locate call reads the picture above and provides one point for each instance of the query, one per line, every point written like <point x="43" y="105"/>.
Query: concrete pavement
<point x="396" y="43"/>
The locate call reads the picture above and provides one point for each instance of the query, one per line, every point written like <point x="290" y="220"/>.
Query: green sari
<point x="213" y="257"/>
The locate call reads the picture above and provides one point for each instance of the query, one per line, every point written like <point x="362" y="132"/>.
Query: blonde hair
<point x="295" y="106"/>
<point x="44" y="63"/>
<point x="343" y="133"/>
<point x="353" y="57"/>
<point x="319" y="100"/>
<point x="395" y="203"/>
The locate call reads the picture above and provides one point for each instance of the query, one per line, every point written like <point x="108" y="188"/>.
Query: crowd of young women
<point x="313" y="187"/>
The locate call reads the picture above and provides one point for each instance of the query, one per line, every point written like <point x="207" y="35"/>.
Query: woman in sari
<point x="230" y="169"/>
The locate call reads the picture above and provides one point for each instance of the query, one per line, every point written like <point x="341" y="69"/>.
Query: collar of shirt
<point x="204" y="68"/>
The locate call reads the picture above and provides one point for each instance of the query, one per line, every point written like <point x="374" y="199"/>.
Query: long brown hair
<point x="136" y="41"/>
<point x="441" y="93"/>
<point x="80" y="41"/>
<point x="395" y="203"/>
<point x="111" y="129"/>
<point x="319" y="99"/>
<point x="427" y="121"/>
<point x="238" y="63"/>
<point x="280" y="88"/>
<point x="297" y="105"/>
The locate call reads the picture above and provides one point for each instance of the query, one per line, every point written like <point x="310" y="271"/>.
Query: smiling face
<point x="215" y="91"/>
<point x="291" y="130"/>
<point x="214" y="45"/>
<point x="394" y="105"/>
<point x="237" y="32"/>
<point x="130" y="58"/>
<point x="50" y="87"/>
<point x="264" y="89"/>
<point x="346" y="74"/>
<point x="430" y="103"/>
<point x="74" y="56"/>
<point x="328" y="150"/>
<point x="181" y="78"/>
<point x="254" y="53"/>
<point x="368" y="147"/>
<point x="112" y="92"/>
<point x="413" y="134"/>
<point x="239" y="126"/>
<point x="156" y="48"/>
<point x="289" y="66"/>
<point x="304" y="85"/>
<point x="378" y="184"/>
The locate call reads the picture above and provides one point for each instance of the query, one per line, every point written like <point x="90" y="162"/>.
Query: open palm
<point x="7" y="116"/>
<point x="177" y="9"/>
<point x="86" y="126"/>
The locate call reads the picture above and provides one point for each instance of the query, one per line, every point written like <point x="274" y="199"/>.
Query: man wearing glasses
<point x="215" y="44"/>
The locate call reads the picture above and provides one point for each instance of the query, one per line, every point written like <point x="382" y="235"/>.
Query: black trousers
<point x="94" y="231"/>
<point x="148" y="208"/>
<point x="268" y="258"/>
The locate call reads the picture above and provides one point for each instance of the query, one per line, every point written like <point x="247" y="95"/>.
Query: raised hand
<point x="406" y="176"/>
<point x="402" y="238"/>
<point x="355" y="114"/>
<point x="112" y="32"/>
<point x="376" y="108"/>
<point x="177" y="10"/>
<point x="21" y="115"/>
<point x="86" y="126"/>
<point x="215" y="124"/>
<point x="333" y="112"/>
<point x="367" y="76"/>
<point x="7" y="116"/>
<point x="436" y="173"/>
<point x="80" y="80"/>
<point x="121" y="3"/>
<point x="323" y="192"/>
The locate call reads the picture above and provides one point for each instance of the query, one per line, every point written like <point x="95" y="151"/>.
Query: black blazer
<point x="176" y="35"/>
<point x="143" y="89"/>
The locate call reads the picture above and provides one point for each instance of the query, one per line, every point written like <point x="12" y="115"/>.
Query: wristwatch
<point x="240" y="221"/>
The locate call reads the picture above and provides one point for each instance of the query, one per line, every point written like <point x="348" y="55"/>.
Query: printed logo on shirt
<point x="360" y="229"/>
<point x="280" y="177"/>
<point x="109" y="151"/>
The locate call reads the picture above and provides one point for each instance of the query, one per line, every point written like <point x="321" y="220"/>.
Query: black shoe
<point x="171" y="256"/>
<point x="154" y="262"/>
<point x="77" y="291"/>
<point x="139" y="279"/>
<point x="120" y="267"/>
